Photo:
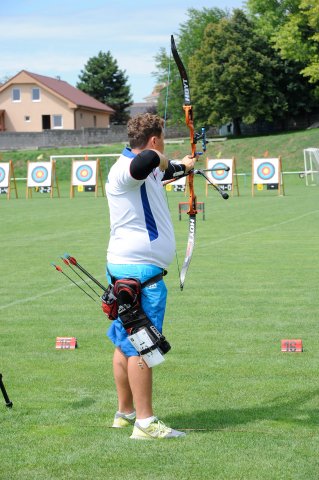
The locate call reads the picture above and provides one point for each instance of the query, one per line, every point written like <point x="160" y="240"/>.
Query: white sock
<point x="131" y="416"/>
<point x="145" y="422"/>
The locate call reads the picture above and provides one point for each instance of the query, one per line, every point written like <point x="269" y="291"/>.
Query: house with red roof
<point x="32" y="103"/>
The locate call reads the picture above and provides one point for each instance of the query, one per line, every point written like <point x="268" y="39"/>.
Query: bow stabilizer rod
<point x="214" y="185"/>
<point x="171" y="180"/>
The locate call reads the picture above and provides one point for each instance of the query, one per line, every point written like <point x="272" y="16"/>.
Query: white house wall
<point x="26" y="115"/>
<point x="90" y="119"/>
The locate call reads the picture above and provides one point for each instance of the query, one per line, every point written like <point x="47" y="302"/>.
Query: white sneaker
<point x="121" y="420"/>
<point x="156" y="429"/>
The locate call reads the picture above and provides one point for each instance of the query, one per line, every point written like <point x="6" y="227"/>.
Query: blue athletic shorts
<point x="153" y="301"/>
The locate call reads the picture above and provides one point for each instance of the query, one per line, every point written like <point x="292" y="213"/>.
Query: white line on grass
<point x="260" y="229"/>
<point x="43" y="294"/>
<point x="35" y="297"/>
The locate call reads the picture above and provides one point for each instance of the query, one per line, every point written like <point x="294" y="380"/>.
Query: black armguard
<point x="174" y="170"/>
<point x="143" y="164"/>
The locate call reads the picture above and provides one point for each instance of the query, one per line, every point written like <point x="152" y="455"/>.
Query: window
<point x="57" y="121"/>
<point x="27" y="118"/>
<point x="36" y="95"/>
<point x="16" y="95"/>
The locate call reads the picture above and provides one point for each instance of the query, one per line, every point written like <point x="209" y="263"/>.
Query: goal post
<point x="311" y="164"/>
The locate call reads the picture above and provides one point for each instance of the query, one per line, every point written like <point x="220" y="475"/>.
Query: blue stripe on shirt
<point x="149" y="218"/>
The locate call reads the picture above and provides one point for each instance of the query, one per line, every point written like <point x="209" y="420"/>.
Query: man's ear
<point x="153" y="141"/>
<point x="151" y="144"/>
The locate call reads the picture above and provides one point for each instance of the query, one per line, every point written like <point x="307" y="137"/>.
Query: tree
<point x="292" y="26"/>
<point x="235" y="75"/>
<point x="189" y="42"/>
<point x="103" y="80"/>
<point x="192" y="31"/>
<point x="271" y="14"/>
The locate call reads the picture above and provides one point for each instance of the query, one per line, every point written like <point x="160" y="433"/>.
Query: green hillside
<point x="288" y="145"/>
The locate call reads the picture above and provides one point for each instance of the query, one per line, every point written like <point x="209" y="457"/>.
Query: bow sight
<point x="201" y="136"/>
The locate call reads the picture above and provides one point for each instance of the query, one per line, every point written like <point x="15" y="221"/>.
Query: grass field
<point x="250" y="411"/>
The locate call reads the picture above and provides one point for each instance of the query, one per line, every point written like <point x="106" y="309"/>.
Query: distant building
<point x="32" y="103"/>
<point x="153" y="97"/>
<point x="141" y="107"/>
<point x="150" y="104"/>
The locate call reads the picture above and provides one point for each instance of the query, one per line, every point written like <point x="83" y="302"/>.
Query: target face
<point x="221" y="173"/>
<point x="4" y="175"/>
<point x="266" y="171"/>
<point x="84" y="173"/>
<point x="39" y="174"/>
<point x="220" y="176"/>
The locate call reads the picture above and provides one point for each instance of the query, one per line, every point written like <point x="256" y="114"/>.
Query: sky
<point x="57" y="38"/>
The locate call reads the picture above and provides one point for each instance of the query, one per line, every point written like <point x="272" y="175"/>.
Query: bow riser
<point x="192" y="197"/>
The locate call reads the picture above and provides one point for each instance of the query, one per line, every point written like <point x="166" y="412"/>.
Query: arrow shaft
<point x="59" y="269"/>
<point x="80" y="276"/>
<point x="83" y="270"/>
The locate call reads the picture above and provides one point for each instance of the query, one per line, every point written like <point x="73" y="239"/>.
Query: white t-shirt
<point x="141" y="226"/>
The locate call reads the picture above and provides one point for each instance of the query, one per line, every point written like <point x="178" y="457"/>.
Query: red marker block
<point x="65" y="343"/>
<point x="294" y="345"/>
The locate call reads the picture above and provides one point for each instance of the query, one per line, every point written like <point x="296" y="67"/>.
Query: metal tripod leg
<point x="9" y="404"/>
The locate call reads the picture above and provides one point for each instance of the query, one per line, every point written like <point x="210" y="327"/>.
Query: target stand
<point x="267" y="172"/>
<point x="6" y="178"/>
<point x="42" y="178"/>
<point x="227" y="180"/>
<point x="86" y="175"/>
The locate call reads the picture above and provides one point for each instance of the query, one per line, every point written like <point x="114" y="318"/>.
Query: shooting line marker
<point x="294" y="345"/>
<point x="66" y="343"/>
